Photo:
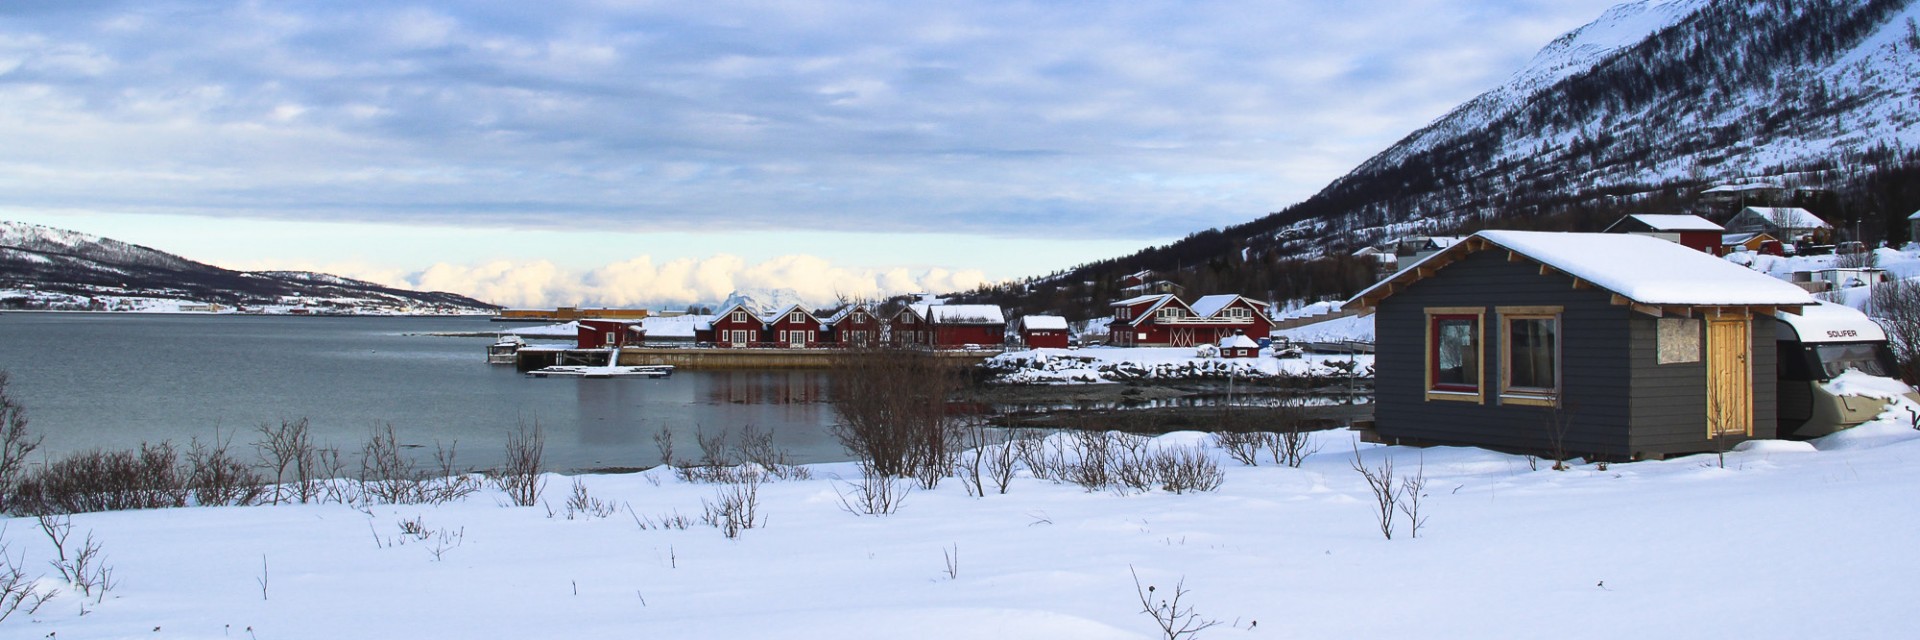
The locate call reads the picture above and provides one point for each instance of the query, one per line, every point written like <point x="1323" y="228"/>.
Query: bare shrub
<point x="1187" y="468"/>
<point x="1412" y="489"/>
<point x="1176" y="621"/>
<point x="520" y="476"/>
<point x="1380" y="480"/>
<point x="1291" y="447"/>
<point x="18" y="591"/>
<point x="15" y="445"/>
<point x="1243" y="446"/>
<point x="892" y="405"/>
<point x="290" y="455"/>
<point x="735" y="507"/>
<point x="215" y="477"/>
<point x="665" y="521"/>
<point x="877" y="494"/>
<point x="104" y="481"/>
<point x="82" y="566"/>
<point x="723" y="462"/>
<point x="388" y="477"/>
<point x="1897" y="307"/>
<point x="1002" y="459"/>
<point x="1559" y="419"/>
<point x="579" y="503"/>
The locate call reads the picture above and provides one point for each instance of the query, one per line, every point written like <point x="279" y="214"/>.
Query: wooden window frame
<point x="1531" y="396"/>
<point x="1477" y="394"/>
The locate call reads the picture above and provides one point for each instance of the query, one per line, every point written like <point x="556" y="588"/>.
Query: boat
<point x="502" y="352"/>
<point x="574" y="371"/>
<point x="612" y="369"/>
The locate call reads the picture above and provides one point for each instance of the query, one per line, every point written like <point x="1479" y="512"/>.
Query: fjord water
<point x="115" y="380"/>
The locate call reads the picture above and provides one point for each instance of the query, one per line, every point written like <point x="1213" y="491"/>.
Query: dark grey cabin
<point x="1614" y="346"/>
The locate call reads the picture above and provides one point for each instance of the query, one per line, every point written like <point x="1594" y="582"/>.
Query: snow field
<point x="1784" y="542"/>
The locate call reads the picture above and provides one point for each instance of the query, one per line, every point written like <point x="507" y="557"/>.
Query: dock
<point x="710" y="359"/>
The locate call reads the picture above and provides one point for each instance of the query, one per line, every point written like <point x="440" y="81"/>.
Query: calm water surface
<point x="115" y="380"/>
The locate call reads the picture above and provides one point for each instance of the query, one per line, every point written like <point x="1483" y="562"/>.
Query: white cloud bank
<point x="643" y="282"/>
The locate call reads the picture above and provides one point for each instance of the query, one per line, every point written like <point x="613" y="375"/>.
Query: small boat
<point x="571" y="371"/>
<point x="502" y="352"/>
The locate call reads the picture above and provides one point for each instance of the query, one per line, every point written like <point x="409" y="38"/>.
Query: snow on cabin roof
<point x="1043" y="323"/>
<point x="1239" y="341"/>
<point x="776" y="316"/>
<point x="966" y="314"/>
<point x="1828" y="322"/>
<point x="1643" y="269"/>
<point x="1206" y="306"/>
<point x="1915" y="216"/>
<point x="1740" y="238"/>
<point x="1736" y="188"/>
<point x="676" y="326"/>
<point x="1794" y="217"/>
<point x="1672" y="222"/>
<point x="1139" y="299"/>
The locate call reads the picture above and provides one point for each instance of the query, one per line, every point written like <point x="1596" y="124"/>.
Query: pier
<point x="530" y="358"/>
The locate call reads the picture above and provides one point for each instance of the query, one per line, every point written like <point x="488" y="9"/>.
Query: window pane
<point x="1531" y="344"/>
<point x="1456" y="357"/>
<point x="1838" y="358"/>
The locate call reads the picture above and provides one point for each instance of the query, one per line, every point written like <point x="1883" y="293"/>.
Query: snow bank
<point x="1855" y="383"/>
<point x="1114" y="364"/>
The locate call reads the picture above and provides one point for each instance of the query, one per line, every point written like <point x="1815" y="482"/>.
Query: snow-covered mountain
<point x="1654" y="98"/>
<point x="44" y="267"/>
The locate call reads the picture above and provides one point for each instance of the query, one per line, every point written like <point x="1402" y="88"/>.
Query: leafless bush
<point x="520" y="476"/>
<point x="104" y="481"/>
<point x="877" y="494"/>
<point x="83" y="566"/>
<point x="665" y="521"/>
<point x="18" y="591"/>
<point x="1897" y="307"/>
<point x="1175" y="620"/>
<point x="892" y="405"/>
<point x="1381" y="481"/>
<point x="1411" y="491"/>
<point x="1291" y="447"/>
<point x="735" y="507"/>
<point x="387" y="477"/>
<point x="1187" y="468"/>
<point x="1558" y="420"/>
<point x="215" y="477"/>
<point x="723" y="462"/>
<point x="1243" y="446"/>
<point x="583" y="505"/>
<point x="1002" y="458"/>
<point x="15" y="445"/>
<point x="289" y="453"/>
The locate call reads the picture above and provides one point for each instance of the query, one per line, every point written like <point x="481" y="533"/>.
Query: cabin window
<point x="739" y="337"/>
<point x="1530" y="348"/>
<point x="1677" y="341"/>
<point x="1454" y="337"/>
<point x="739" y="316"/>
<point x="795" y="317"/>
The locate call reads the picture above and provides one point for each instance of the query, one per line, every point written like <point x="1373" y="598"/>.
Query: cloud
<point x="1147" y="119"/>
<point x="640" y="282"/>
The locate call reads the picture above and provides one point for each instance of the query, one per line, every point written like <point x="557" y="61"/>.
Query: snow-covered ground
<point x="1785" y="541"/>
<point x="1117" y="364"/>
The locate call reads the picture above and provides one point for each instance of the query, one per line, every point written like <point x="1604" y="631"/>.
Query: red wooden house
<point x="909" y="327"/>
<point x="852" y="327"/>
<point x="1165" y="321"/>
<point x="793" y="328"/>
<point x="737" y="327"/>
<point x="962" y="325"/>
<point x="1043" y="332"/>
<point x="1239" y="346"/>
<point x="601" y="334"/>
<point x="1693" y="232"/>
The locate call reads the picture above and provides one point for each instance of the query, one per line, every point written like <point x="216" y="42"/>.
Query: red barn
<point x="793" y="328"/>
<point x="1165" y="321"/>
<point x="737" y="327"/>
<point x="1690" y="231"/>
<point x="854" y="326"/>
<point x="962" y="325"/>
<point x="601" y="334"/>
<point x="1043" y="332"/>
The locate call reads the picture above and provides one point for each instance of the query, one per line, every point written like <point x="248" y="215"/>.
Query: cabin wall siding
<point x="1595" y="365"/>
<point x="1670" y="400"/>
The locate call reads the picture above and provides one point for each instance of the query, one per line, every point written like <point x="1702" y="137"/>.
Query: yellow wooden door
<point x="1729" y="377"/>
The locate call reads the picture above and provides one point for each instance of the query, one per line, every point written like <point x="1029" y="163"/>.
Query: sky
<point x="666" y="153"/>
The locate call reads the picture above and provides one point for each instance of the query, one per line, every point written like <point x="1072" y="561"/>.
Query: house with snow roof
<point x="961" y="325"/>
<point x="1164" y="320"/>
<point x="736" y="326"/>
<point x="1690" y="231"/>
<point x="792" y="328"/>
<point x="1043" y="332"/>
<point x="1239" y="346"/>
<point x="852" y="327"/>
<point x="1789" y="224"/>
<point x="1609" y="346"/>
